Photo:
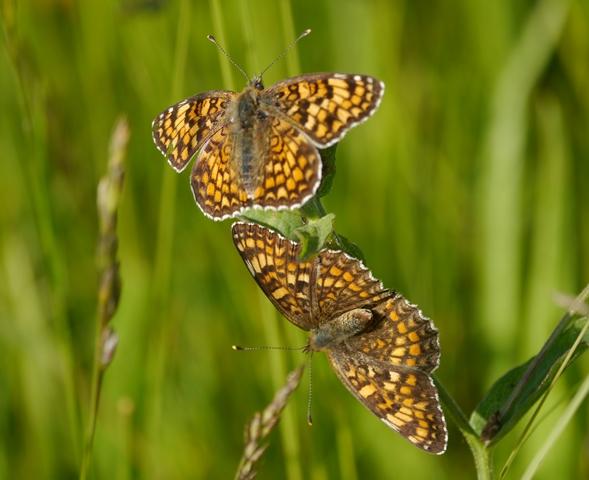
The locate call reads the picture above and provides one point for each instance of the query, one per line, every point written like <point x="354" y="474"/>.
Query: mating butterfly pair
<point x="380" y="346"/>
<point x="258" y="148"/>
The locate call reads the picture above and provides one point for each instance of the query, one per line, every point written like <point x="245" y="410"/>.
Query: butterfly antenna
<point x="310" y="396"/>
<point x="286" y="50"/>
<point x="224" y="52"/>
<point x="241" y="348"/>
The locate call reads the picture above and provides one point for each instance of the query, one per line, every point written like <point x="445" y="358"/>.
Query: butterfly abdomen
<point x="245" y="120"/>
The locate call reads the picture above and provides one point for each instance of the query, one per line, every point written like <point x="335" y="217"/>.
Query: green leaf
<point x="328" y="171"/>
<point x="500" y="410"/>
<point x="283" y="221"/>
<point x="313" y="235"/>
<point x="342" y="243"/>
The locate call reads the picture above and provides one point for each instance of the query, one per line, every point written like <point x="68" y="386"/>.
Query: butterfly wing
<point x="342" y="284"/>
<point x="272" y="261"/>
<point x="291" y="167"/>
<point x="216" y="187"/>
<point x="404" y="399"/>
<point x="325" y="105"/>
<point x="180" y="130"/>
<point x="401" y="335"/>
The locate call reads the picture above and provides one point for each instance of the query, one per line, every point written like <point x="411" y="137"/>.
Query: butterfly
<point x="258" y="148"/>
<point x="382" y="348"/>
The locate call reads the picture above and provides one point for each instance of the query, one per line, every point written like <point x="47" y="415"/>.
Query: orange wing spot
<point x="403" y="417"/>
<point x="413" y="337"/>
<point x="282" y="193"/>
<point x="398" y="352"/>
<point x="255" y="264"/>
<point x="280" y="293"/>
<point x="335" y="271"/>
<point x="395" y="421"/>
<point x="297" y="175"/>
<point x="405" y="390"/>
<point x="415" y="350"/>
<point x="338" y="83"/>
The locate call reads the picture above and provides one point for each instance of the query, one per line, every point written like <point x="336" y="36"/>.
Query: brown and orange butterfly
<point x="381" y="347"/>
<point x="258" y="148"/>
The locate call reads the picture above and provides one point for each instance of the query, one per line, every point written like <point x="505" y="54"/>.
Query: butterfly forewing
<point x="180" y="130"/>
<point x="326" y="105"/>
<point x="342" y="284"/>
<point x="405" y="399"/>
<point x="272" y="261"/>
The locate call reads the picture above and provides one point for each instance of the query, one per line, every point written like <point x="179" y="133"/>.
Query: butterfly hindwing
<point x="404" y="399"/>
<point x="291" y="167"/>
<point x="401" y="335"/>
<point x="216" y="186"/>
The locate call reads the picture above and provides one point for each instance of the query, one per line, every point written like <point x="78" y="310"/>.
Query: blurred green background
<point x="467" y="191"/>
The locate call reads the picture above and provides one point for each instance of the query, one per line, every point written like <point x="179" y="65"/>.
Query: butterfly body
<point x="382" y="348"/>
<point x="258" y="148"/>
<point x="247" y="126"/>
<point x="338" y="330"/>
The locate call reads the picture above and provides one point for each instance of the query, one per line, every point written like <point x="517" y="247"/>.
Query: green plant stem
<point x="528" y="428"/>
<point x="563" y="421"/>
<point x="109" y="289"/>
<point x="96" y="389"/>
<point x="480" y="453"/>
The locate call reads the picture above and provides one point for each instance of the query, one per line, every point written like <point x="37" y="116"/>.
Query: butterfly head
<point x="257" y="82"/>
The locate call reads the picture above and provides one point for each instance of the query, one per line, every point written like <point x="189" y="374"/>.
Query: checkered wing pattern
<point x="404" y="399"/>
<point x="217" y="188"/>
<point x="292" y="167"/>
<point x="308" y="293"/>
<point x="272" y="261"/>
<point x="401" y="336"/>
<point x="180" y="130"/>
<point x="342" y="284"/>
<point x="326" y="105"/>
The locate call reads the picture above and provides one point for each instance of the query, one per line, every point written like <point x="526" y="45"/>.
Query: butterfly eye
<point x="258" y="84"/>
